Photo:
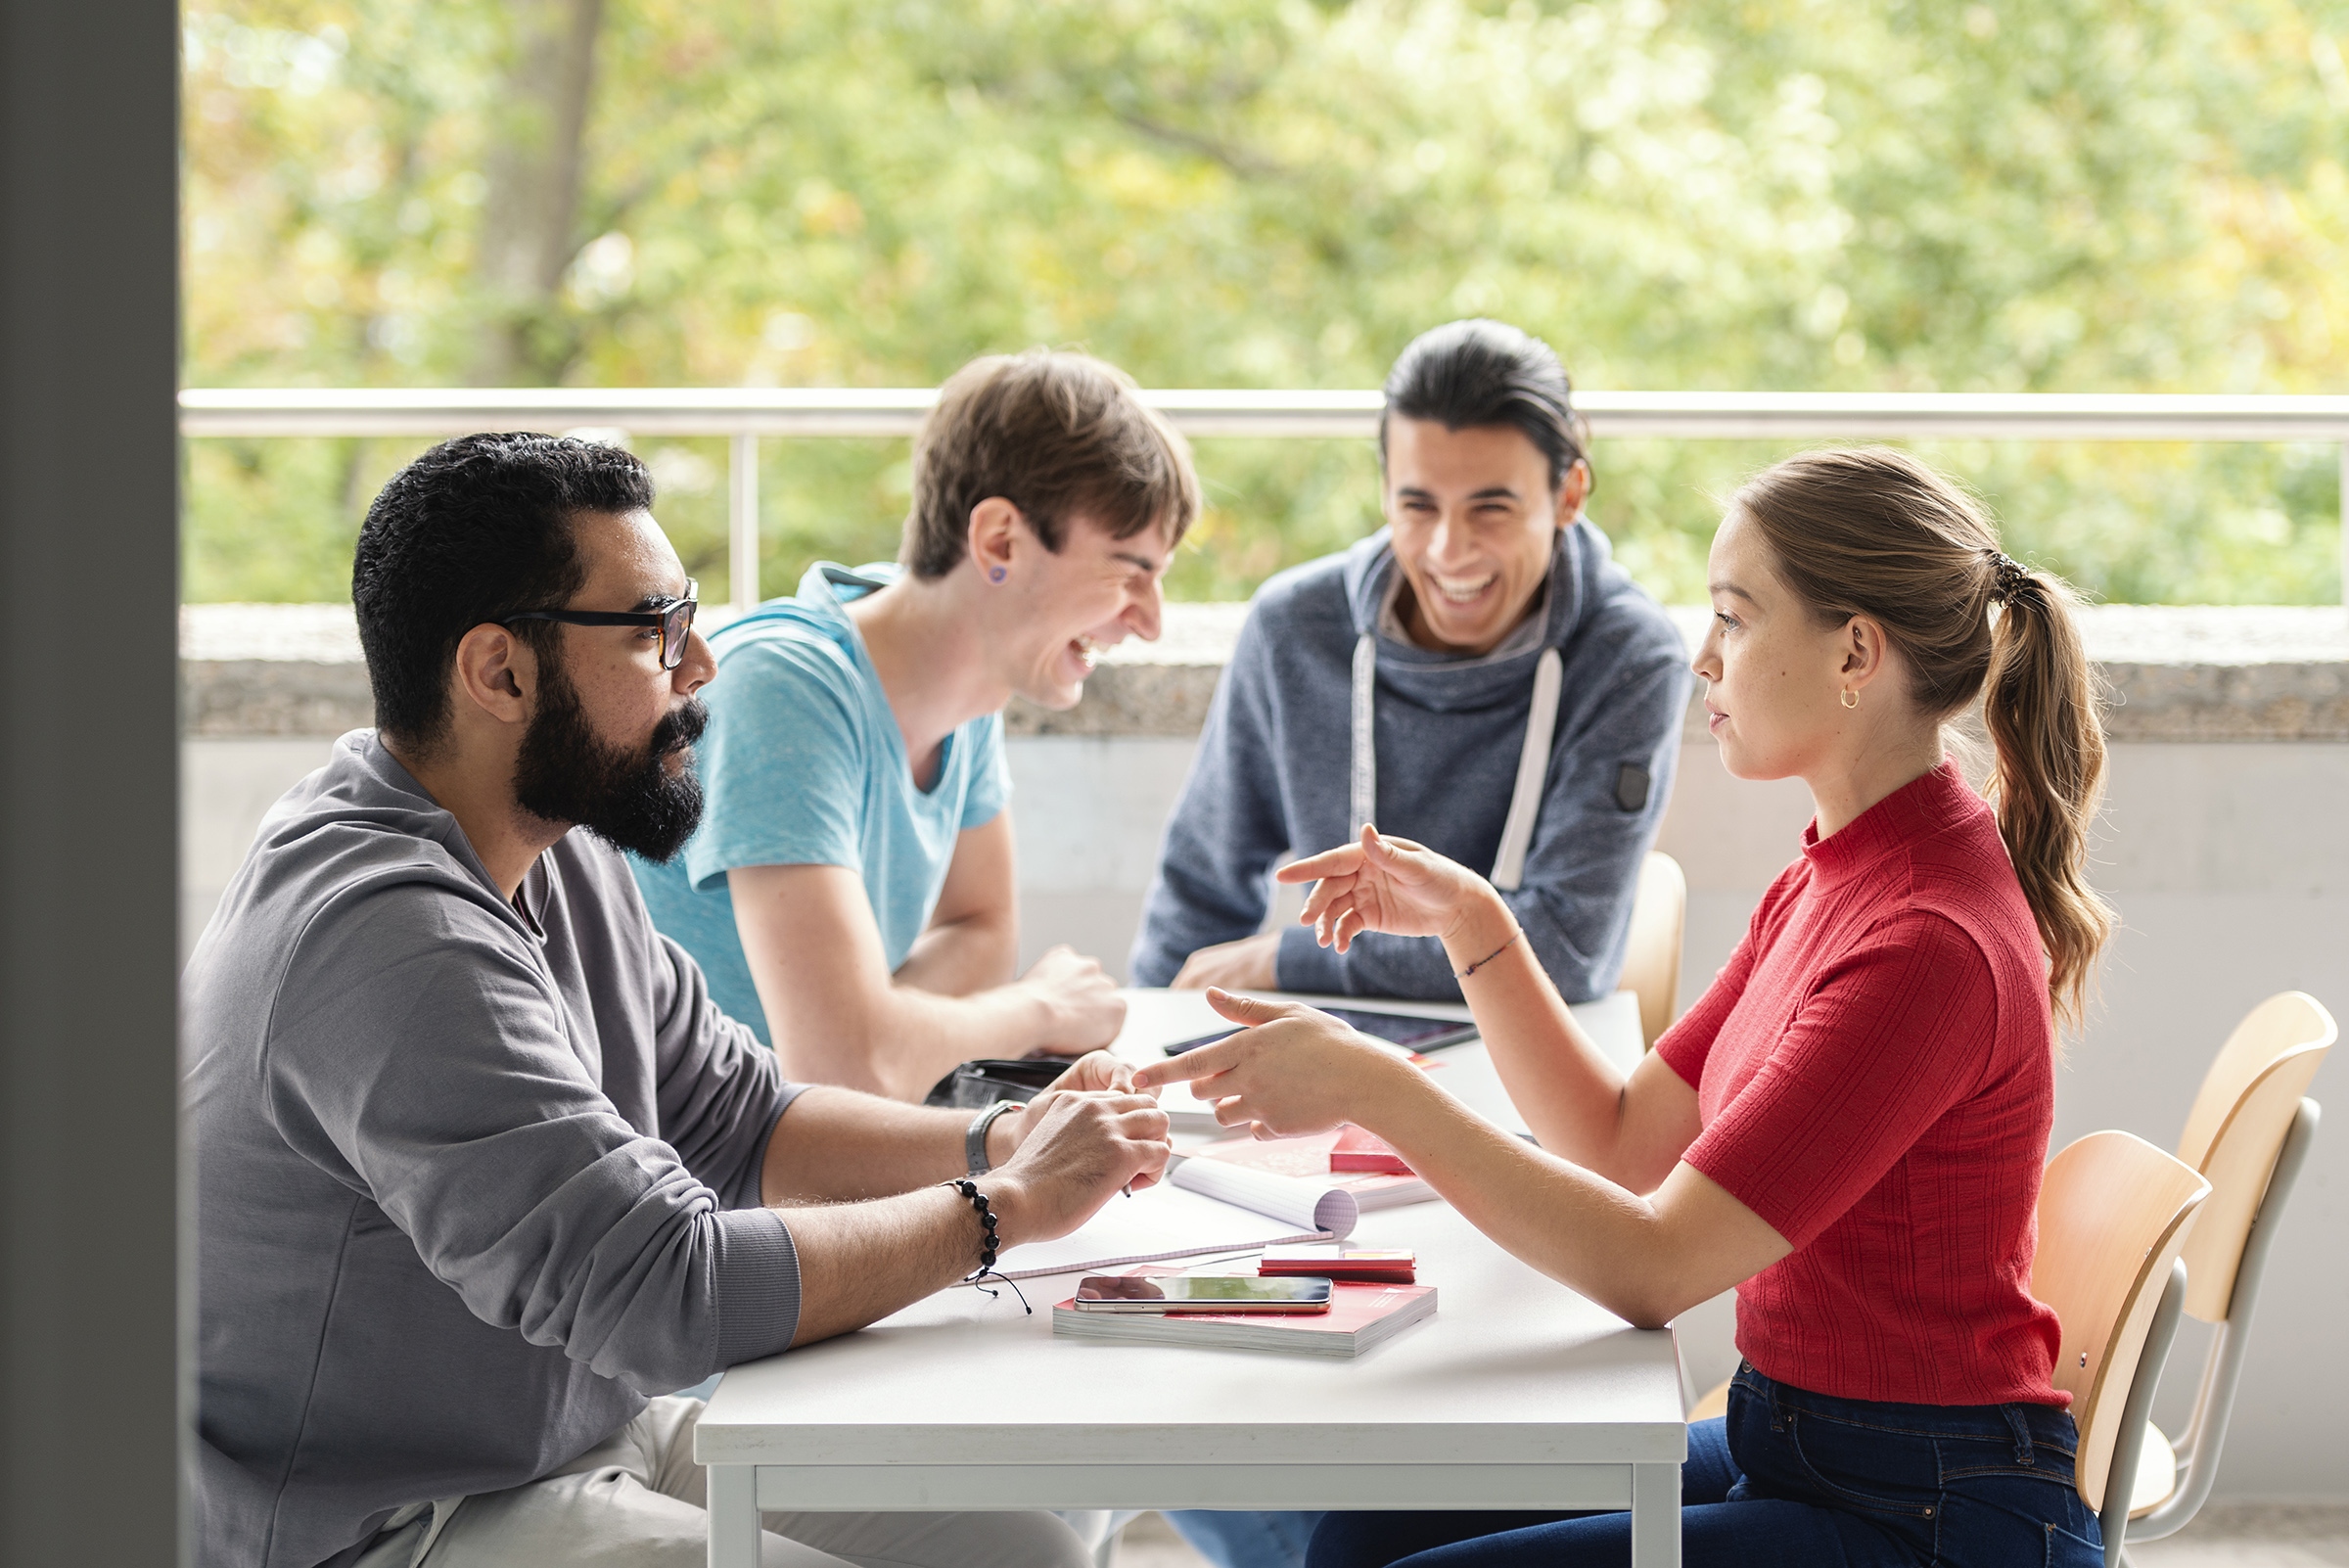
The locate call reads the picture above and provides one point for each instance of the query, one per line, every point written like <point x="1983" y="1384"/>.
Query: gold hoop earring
<point x="1849" y="697"/>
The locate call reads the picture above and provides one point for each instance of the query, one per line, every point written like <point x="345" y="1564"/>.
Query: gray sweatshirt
<point x="471" y="1181"/>
<point x="1328" y="716"/>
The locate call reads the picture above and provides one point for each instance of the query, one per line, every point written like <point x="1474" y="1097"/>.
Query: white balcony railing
<point x="748" y="413"/>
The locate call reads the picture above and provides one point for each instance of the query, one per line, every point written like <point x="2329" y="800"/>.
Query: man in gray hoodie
<point x="1477" y="676"/>
<point x="479" y="1167"/>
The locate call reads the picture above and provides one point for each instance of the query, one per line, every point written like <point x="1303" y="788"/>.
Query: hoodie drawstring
<point x="1532" y="771"/>
<point x="1365" y="756"/>
<point x="1533" y="762"/>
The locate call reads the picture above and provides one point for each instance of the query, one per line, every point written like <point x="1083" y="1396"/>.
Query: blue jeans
<point x="1791" y="1479"/>
<point x="1237" y="1539"/>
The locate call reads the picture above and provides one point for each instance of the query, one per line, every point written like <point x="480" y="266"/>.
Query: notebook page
<point x="1154" y="1225"/>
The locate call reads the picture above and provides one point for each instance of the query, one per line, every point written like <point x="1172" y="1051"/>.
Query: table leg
<point x="1655" y="1516"/>
<point x="733" y="1498"/>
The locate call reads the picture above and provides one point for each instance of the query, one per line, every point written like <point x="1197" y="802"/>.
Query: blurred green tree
<point x="2076" y="195"/>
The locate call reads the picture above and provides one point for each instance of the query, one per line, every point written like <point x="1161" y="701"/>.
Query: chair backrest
<point x="2236" y="1129"/>
<point x="2113" y="1213"/>
<point x="1651" y="963"/>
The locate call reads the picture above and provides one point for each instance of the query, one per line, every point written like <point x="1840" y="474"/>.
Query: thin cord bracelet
<point x="1463" y="974"/>
<point x="987" y="1244"/>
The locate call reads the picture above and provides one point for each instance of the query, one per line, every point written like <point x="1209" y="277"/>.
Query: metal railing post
<point x="742" y="521"/>
<point x="2345" y="522"/>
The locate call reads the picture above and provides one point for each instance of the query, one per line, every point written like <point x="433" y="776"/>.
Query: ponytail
<point x="2039" y="706"/>
<point x="1878" y="533"/>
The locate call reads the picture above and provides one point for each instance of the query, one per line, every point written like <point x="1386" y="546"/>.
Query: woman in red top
<point x="1849" y="1125"/>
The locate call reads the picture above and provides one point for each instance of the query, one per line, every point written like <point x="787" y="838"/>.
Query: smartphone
<point x="1396" y="1029"/>
<point x="1204" y="1293"/>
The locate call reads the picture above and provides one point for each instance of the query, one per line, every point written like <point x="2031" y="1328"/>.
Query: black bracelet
<point x="988" y="1245"/>
<point x="1463" y="974"/>
<point x="986" y="1248"/>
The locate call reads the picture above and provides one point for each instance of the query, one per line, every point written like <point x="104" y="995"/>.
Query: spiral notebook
<point x="1311" y="1159"/>
<point x="1204" y="1207"/>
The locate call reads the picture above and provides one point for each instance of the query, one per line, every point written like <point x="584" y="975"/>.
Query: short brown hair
<point x="1876" y="532"/>
<point x="1056" y="435"/>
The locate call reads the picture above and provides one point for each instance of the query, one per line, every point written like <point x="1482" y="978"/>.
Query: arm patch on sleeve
<point x="1630" y="787"/>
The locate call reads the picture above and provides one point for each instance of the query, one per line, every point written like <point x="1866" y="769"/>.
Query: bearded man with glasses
<point x="480" y="1165"/>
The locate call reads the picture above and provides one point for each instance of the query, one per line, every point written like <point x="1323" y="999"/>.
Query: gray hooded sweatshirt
<point x="1327" y="717"/>
<point x="471" y="1179"/>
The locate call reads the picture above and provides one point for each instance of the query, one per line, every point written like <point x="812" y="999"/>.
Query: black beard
<point x="565" y="773"/>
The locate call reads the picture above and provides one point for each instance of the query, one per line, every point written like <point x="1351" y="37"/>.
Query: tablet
<point x="1397" y="1028"/>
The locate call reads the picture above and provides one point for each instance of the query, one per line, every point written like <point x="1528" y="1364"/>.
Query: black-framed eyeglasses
<point x="674" y="618"/>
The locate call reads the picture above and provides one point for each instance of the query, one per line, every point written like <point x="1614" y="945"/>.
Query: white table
<point x="1518" y="1394"/>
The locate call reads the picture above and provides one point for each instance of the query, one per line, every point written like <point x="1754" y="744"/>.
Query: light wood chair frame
<point x="2114" y="1213"/>
<point x="1651" y="957"/>
<point x="2137" y="1416"/>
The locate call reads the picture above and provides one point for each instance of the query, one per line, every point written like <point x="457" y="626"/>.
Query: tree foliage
<point x="2074" y="195"/>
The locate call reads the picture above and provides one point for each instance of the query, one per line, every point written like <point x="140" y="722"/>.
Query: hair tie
<point x="2013" y="577"/>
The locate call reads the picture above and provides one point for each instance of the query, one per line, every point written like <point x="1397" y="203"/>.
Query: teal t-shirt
<point x="804" y="765"/>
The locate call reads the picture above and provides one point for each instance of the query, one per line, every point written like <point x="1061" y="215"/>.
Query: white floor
<point x="2254" y="1535"/>
<point x="2226" y="1535"/>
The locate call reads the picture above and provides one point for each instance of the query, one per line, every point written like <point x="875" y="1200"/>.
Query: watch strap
<point x="974" y="1140"/>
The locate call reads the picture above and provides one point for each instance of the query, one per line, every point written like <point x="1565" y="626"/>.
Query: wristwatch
<point x="974" y="1141"/>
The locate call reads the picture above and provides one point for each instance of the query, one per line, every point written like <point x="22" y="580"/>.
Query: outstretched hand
<point x="1094" y="1071"/>
<point x="1381" y="884"/>
<point x="1291" y="1072"/>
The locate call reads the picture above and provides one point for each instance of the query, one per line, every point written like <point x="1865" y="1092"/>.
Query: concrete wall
<point x="2230" y="864"/>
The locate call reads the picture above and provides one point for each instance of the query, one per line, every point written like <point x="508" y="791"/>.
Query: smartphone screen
<point x="1218" y="1293"/>
<point x="1396" y="1029"/>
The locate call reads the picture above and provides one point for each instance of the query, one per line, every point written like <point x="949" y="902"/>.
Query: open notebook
<point x="1204" y="1207"/>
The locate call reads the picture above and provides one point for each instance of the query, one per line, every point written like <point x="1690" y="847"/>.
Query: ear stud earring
<point x="995" y="574"/>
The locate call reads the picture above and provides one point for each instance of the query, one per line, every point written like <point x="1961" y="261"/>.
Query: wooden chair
<point x="2248" y="1134"/>
<point x="2114" y="1213"/>
<point x="2113" y="1217"/>
<point x="1651" y="963"/>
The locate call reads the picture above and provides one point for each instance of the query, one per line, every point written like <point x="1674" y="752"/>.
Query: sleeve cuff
<point x="756" y="1283"/>
<point x="705" y="871"/>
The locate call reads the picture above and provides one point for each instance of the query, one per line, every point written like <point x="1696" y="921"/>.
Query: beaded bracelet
<point x="988" y="1246"/>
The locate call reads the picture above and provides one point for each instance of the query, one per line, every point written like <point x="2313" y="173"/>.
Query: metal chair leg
<point x="2120" y="1477"/>
<point x="2205" y="1434"/>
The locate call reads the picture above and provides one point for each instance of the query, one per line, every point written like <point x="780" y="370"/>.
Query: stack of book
<point x="1358" y="1317"/>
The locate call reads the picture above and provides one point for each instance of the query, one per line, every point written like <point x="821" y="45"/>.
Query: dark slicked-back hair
<point x="474" y="530"/>
<point x="1470" y="375"/>
<point x="1057" y="435"/>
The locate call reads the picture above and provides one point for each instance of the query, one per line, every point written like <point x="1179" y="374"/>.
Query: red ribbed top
<point x="1874" y="1070"/>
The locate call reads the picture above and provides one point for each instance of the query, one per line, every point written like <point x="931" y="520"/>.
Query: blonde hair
<point x="1876" y="532"/>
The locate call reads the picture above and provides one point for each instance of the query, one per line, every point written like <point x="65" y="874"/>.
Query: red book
<point x="1358" y="1150"/>
<point x="1359" y="1264"/>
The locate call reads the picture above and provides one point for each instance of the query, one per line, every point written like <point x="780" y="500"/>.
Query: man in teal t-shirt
<point x="852" y="887"/>
<point x="804" y="765"/>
